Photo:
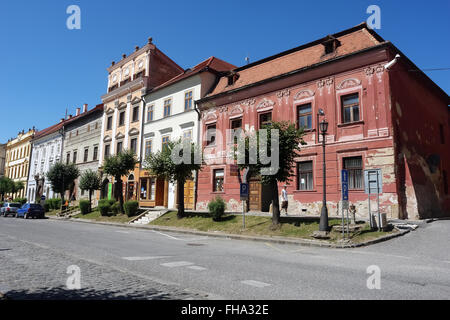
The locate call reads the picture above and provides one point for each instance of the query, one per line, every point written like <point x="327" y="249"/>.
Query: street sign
<point x="244" y="191"/>
<point x="344" y="180"/>
<point x="43" y="198"/>
<point x="373" y="183"/>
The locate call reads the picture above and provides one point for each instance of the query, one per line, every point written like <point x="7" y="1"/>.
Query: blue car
<point x="31" y="210"/>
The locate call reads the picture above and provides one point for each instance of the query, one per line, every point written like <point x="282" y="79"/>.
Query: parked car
<point x="31" y="210"/>
<point x="9" y="208"/>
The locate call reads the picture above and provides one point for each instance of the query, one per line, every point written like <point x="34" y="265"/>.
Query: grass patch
<point x="96" y="216"/>
<point x="294" y="227"/>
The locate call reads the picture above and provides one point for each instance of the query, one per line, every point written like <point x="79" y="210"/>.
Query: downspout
<point x="199" y="141"/>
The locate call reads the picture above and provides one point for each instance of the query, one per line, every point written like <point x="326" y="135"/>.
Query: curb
<point x="279" y="240"/>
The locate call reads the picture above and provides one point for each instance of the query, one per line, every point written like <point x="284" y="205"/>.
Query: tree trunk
<point x="275" y="204"/>
<point x="119" y="193"/>
<point x="180" y="196"/>
<point x="90" y="200"/>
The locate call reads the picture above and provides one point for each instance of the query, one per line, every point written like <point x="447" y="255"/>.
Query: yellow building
<point x="17" y="163"/>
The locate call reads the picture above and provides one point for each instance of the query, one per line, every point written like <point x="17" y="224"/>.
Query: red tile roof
<point x="212" y="63"/>
<point x="351" y="40"/>
<point x="56" y="127"/>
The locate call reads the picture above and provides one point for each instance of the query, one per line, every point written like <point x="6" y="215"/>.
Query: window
<point x="109" y="123"/>
<point x="95" y="156"/>
<point x="350" y="108"/>
<point x="143" y="193"/>
<point x="187" y="135"/>
<point x="265" y="119"/>
<point x="133" y="146"/>
<point x="86" y="154"/>
<point x="305" y="175"/>
<point x="148" y="147"/>
<point x="354" y="167"/>
<point x="135" y="114"/>
<point x="68" y="158"/>
<point x="119" y="147"/>
<point x="211" y="135"/>
<point x="107" y="151"/>
<point x="236" y="125"/>
<point x="74" y="157"/>
<point x="167" y="106"/>
<point x="218" y="180"/>
<point x="304" y="116"/>
<point x="150" y="113"/>
<point x="122" y="118"/>
<point x="188" y="100"/>
<point x="165" y="142"/>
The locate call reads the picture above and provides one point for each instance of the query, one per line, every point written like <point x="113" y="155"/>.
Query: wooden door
<point x="255" y="195"/>
<point x="189" y="194"/>
<point x="159" y="198"/>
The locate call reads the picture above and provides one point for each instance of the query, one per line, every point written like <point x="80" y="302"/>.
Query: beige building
<point x="2" y="159"/>
<point x="17" y="164"/>
<point x="128" y="81"/>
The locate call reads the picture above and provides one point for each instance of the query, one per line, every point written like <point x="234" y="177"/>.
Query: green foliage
<point x="115" y="208"/>
<point x="6" y="186"/>
<point x="131" y="208"/>
<point x="111" y="202"/>
<point x="17" y="186"/>
<point x="1" y="204"/>
<point x="90" y="181"/>
<point x="62" y="176"/>
<point x="84" y="206"/>
<point x="53" y="204"/>
<point x="104" y="208"/>
<point x="121" y="164"/>
<point x="217" y="208"/>
<point x="22" y="201"/>
<point x="46" y="206"/>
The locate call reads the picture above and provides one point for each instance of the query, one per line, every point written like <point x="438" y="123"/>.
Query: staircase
<point x="149" y="216"/>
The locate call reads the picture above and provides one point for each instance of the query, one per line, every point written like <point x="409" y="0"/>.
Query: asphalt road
<point x="121" y="263"/>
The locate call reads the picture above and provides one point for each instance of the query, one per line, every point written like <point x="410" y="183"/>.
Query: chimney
<point x="124" y="56"/>
<point x="136" y="48"/>
<point x="85" y="107"/>
<point x="62" y="120"/>
<point x="77" y="112"/>
<point x="70" y="116"/>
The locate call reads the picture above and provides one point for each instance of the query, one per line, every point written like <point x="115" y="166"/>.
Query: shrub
<point x="115" y="208"/>
<point x="48" y="205"/>
<point x="131" y="208"/>
<point x="104" y="208"/>
<point x="84" y="206"/>
<point x="216" y="208"/>
<point x="56" y="203"/>
<point x="111" y="202"/>
<point x="1" y="204"/>
<point x="22" y="201"/>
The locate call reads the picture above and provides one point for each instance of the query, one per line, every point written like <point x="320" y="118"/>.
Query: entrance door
<point x="189" y="194"/>
<point x="130" y="193"/>
<point x="159" y="201"/>
<point x="255" y="195"/>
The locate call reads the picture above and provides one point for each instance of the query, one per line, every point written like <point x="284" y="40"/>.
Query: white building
<point x="46" y="151"/>
<point x="170" y="114"/>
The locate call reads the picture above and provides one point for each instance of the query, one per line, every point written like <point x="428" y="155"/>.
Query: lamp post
<point x="323" y="225"/>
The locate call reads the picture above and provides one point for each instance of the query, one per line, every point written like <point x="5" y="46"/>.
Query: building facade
<point x="373" y="115"/>
<point x="2" y="159"/>
<point x="18" y="151"/>
<point x="82" y="134"/>
<point x="170" y="115"/>
<point x="47" y="148"/>
<point x="128" y="82"/>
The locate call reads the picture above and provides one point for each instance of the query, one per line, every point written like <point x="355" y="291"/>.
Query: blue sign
<point x="344" y="180"/>
<point x="244" y="191"/>
<point x="42" y="198"/>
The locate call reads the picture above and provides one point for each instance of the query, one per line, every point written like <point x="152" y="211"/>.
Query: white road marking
<point x="177" y="264"/>
<point x="167" y="235"/>
<point x="144" y="258"/>
<point x="197" y="268"/>
<point x="120" y="231"/>
<point x="255" y="283"/>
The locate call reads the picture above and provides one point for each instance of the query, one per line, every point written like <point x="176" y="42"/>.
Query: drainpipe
<point x="198" y="141"/>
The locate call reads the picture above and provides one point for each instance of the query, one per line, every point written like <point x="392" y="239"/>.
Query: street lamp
<point x="323" y="226"/>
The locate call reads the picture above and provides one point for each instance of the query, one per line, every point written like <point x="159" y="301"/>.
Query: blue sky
<point x="48" y="68"/>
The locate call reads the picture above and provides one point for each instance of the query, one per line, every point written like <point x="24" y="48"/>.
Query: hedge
<point x="131" y="208"/>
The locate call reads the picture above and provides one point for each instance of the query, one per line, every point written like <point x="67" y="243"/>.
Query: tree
<point x="17" y="187"/>
<point x="118" y="166"/>
<point x="172" y="164"/>
<point x="6" y="186"/>
<point x="90" y="181"/>
<point x="289" y="140"/>
<point x="62" y="176"/>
